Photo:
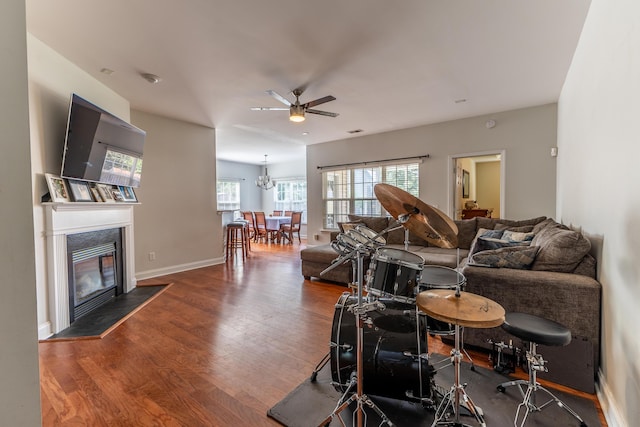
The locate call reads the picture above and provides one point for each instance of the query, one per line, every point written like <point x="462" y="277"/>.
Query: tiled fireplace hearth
<point x="64" y="219"/>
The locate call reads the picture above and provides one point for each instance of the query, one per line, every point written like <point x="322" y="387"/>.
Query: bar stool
<point x="536" y="330"/>
<point x="237" y="238"/>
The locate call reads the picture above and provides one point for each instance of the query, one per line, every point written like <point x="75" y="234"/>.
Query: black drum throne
<point x="536" y="330"/>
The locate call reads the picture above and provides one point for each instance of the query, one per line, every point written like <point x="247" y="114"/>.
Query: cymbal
<point x="424" y="220"/>
<point x="472" y="310"/>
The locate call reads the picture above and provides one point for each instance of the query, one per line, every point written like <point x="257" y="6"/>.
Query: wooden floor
<point x="219" y="348"/>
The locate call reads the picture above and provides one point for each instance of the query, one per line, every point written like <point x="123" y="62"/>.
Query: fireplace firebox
<point x="95" y="269"/>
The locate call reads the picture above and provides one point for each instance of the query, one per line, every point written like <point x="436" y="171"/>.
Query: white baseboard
<point x="44" y="330"/>
<point x="609" y="407"/>
<point x="149" y="274"/>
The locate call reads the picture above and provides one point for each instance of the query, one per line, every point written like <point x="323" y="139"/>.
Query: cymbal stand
<point x="458" y="269"/>
<point x="362" y="400"/>
<point x="457" y="396"/>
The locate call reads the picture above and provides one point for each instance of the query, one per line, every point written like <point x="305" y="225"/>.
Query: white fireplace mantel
<point x="63" y="219"/>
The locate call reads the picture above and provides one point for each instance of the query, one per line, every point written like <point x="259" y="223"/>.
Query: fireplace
<point x="94" y="263"/>
<point x="94" y="237"/>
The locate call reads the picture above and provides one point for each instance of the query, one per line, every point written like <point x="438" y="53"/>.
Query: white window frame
<point x="291" y="197"/>
<point x="228" y="199"/>
<point x="351" y="190"/>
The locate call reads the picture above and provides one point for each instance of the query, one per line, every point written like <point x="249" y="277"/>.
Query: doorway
<point x="478" y="185"/>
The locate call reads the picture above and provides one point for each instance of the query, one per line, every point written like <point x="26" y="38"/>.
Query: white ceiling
<point x="390" y="64"/>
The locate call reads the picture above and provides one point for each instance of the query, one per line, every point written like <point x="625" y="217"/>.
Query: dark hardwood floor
<point x="218" y="348"/>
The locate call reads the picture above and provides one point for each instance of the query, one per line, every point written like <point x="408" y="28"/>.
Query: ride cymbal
<point x="424" y="220"/>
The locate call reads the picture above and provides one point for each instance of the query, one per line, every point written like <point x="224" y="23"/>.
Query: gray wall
<point x="177" y="218"/>
<point x="526" y="135"/>
<point x="598" y="177"/>
<point x="19" y="376"/>
<point x="251" y="196"/>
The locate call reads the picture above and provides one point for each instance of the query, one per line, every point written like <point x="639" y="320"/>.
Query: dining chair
<point x="293" y="227"/>
<point x="248" y="216"/>
<point x="288" y="213"/>
<point x="261" y="227"/>
<point x="277" y="213"/>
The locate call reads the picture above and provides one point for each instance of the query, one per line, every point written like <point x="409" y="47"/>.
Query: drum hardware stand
<point x="359" y="310"/>
<point x="457" y="396"/>
<point x="502" y="362"/>
<point x="457" y="392"/>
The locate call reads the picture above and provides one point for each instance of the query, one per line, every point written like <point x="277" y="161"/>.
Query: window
<point x="351" y="190"/>
<point x="228" y="194"/>
<point x="291" y="195"/>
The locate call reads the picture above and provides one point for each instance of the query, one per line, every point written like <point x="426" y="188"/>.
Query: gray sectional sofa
<point x="549" y="273"/>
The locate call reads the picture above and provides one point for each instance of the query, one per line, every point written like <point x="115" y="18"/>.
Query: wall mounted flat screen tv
<point x="100" y="147"/>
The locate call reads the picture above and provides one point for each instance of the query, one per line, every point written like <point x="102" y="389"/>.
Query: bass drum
<point x="390" y="350"/>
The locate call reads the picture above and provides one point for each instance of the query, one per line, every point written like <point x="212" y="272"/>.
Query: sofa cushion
<point x="517" y="257"/>
<point x="466" y="232"/>
<point x="491" y="223"/>
<point x="561" y="249"/>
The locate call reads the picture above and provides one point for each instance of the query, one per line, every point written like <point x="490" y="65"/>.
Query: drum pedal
<point x="502" y="361"/>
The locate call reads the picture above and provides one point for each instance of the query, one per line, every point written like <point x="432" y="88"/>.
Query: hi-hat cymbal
<point x="428" y="222"/>
<point x="467" y="309"/>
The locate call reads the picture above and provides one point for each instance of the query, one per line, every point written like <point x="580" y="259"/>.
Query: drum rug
<point x="311" y="402"/>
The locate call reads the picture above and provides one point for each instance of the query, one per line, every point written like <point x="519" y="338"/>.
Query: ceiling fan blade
<point x="322" y="113"/>
<point x="269" y="109"/>
<point x="319" y="101"/>
<point x="279" y="97"/>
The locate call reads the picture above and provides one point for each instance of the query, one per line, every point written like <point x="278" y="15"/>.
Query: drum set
<point x="379" y="343"/>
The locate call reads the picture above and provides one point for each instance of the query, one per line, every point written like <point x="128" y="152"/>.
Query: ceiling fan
<point x="297" y="110"/>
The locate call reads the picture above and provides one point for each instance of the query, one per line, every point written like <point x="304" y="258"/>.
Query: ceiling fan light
<point x="296" y="113"/>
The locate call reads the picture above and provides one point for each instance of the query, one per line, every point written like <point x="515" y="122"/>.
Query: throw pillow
<point x="516" y="236"/>
<point x="516" y="257"/>
<point x="488" y="244"/>
<point x="520" y="229"/>
<point x="484" y="232"/>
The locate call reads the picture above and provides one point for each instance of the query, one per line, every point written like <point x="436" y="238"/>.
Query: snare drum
<point x="440" y="277"/>
<point x="367" y="237"/>
<point x="394" y="273"/>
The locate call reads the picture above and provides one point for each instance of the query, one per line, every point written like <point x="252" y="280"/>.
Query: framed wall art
<point x="465" y="184"/>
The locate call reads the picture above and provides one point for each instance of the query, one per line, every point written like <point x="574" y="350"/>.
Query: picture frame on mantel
<point x="128" y="195"/>
<point x="80" y="191"/>
<point x="57" y="188"/>
<point x="106" y="192"/>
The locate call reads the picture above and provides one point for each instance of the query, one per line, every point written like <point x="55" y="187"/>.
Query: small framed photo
<point x="96" y="194"/>
<point x="57" y="188"/>
<point x="128" y="195"/>
<point x="80" y="191"/>
<point x="117" y="194"/>
<point x="106" y="193"/>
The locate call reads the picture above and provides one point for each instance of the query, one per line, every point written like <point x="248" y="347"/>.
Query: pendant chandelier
<point x="264" y="181"/>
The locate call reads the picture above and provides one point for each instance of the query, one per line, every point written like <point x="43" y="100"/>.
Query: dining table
<point x="273" y="224"/>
